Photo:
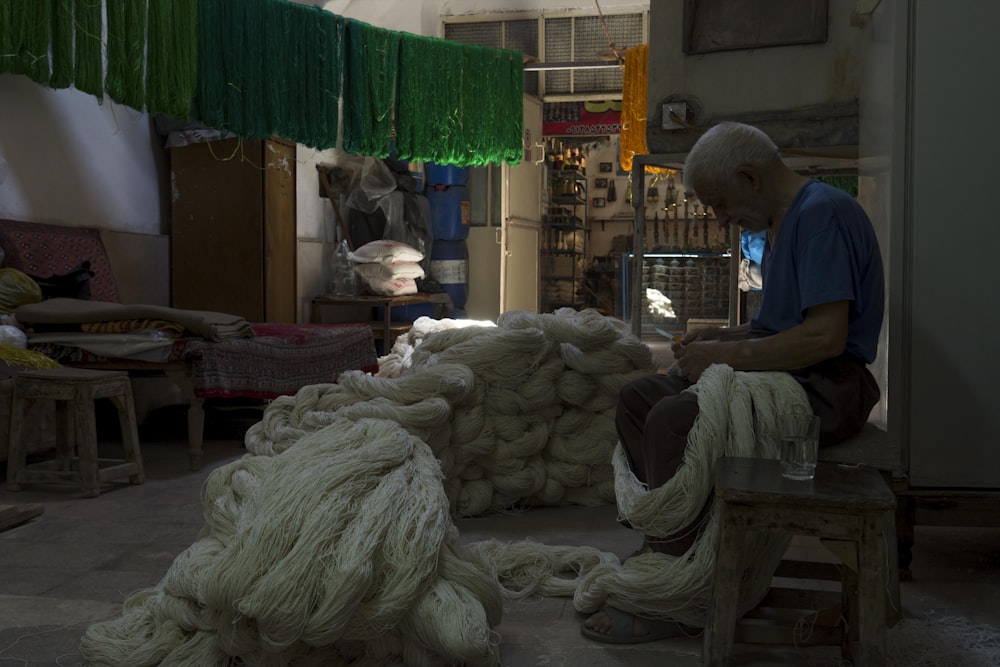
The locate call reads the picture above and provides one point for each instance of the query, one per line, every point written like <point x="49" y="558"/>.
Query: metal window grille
<point x="563" y="39"/>
<point x="519" y="34"/>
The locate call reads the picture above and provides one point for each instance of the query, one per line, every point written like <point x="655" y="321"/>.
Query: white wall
<point x="67" y="159"/>
<point x="423" y="17"/>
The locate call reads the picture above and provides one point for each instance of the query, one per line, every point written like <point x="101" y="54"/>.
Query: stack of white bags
<point x="388" y="267"/>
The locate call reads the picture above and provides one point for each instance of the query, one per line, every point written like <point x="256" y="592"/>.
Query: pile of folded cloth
<point x="125" y="331"/>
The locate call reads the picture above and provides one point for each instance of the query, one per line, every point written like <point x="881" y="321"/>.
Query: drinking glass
<point x="799" y="445"/>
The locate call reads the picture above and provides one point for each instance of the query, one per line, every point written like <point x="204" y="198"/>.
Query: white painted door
<point x="522" y="215"/>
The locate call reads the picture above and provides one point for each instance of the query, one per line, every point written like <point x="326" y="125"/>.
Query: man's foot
<point x="614" y="626"/>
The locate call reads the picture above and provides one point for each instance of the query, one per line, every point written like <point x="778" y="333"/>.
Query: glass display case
<point x="679" y="288"/>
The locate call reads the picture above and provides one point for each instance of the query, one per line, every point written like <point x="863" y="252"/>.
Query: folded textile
<point x="207" y="324"/>
<point x="172" y="329"/>
<point x="114" y="345"/>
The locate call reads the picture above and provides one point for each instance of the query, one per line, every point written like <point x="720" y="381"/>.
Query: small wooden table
<point x="388" y="327"/>
<point x="849" y="504"/>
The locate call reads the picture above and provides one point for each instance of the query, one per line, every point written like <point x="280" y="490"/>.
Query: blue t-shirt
<point x="825" y="251"/>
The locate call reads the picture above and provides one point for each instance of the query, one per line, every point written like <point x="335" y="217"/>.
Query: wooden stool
<point x="851" y="506"/>
<point x="79" y="388"/>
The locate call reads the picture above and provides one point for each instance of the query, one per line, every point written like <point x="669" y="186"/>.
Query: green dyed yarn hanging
<point x="62" y="44"/>
<point x="371" y="67"/>
<point x="458" y="104"/>
<point x="172" y="56"/>
<point x="231" y="91"/>
<point x="24" y="38"/>
<point x="126" y="81"/>
<point x="492" y="131"/>
<point x="428" y="125"/>
<point x="11" y="19"/>
<point x="88" y="66"/>
<point x="303" y="71"/>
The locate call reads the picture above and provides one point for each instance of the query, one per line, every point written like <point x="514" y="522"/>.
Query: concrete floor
<point x="76" y="563"/>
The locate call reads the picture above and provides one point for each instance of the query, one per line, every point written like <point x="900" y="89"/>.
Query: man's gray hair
<point x="716" y="156"/>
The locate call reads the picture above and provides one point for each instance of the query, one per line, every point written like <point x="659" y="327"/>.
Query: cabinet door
<point x="280" y="304"/>
<point x="216" y="244"/>
<point x="233" y="236"/>
<point x="522" y="220"/>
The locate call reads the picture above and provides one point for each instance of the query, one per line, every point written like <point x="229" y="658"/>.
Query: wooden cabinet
<point x="232" y="239"/>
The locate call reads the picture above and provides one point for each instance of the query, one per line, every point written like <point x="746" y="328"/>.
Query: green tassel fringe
<point x="89" y="68"/>
<point x="24" y="38"/>
<point x="62" y="44"/>
<point x="172" y="56"/>
<point x="371" y="69"/>
<point x="126" y="77"/>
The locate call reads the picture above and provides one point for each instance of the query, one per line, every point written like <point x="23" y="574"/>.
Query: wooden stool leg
<point x="717" y="645"/>
<point x="86" y="443"/>
<point x="906" y="519"/>
<point x="64" y="437"/>
<point x="893" y="603"/>
<point x="130" y="434"/>
<point x="196" y="431"/>
<point x="17" y="450"/>
<point x="849" y="603"/>
<point x="871" y="594"/>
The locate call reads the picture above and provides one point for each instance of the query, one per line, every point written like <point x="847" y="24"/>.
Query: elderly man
<point x="819" y="319"/>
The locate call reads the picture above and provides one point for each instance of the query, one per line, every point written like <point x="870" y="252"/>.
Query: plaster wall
<point x="728" y="84"/>
<point x="65" y="158"/>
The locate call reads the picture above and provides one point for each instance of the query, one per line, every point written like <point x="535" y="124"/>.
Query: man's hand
<point x="702" y="333"/>
<point x="693" y="358"/>
<point x="821" y="335"/>
<point x="738" y="332"/>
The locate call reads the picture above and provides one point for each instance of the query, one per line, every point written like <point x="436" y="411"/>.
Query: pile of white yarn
<point x="331" y="542"/>
<point x="340" y="551"/>
<point x="521" y="412"/>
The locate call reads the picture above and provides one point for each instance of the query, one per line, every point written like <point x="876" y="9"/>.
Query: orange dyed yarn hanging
<point x="635" y="79"/>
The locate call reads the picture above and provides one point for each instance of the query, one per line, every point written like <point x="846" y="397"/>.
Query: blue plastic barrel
<point x="440" y="174"/>
<point x="449" y="266"/>
<point x="450" y="211"/>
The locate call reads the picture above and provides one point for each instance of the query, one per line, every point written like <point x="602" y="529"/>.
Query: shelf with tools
<point x="563" y="250"/>
<point x="685" y="262"/>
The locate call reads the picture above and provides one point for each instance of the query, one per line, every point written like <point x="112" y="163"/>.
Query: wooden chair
<point x="74" y="390"/>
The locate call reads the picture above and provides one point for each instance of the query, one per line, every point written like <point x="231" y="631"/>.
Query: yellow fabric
<point x="15" y="356"/>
